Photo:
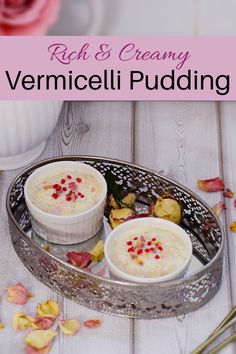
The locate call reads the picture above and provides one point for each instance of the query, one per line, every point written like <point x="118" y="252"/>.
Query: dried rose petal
<point x="233" y="226"/>
<point x="31" y="350"/>
<point x="69" y="327"/>
<point x="211" y="185"/>
<point x="169" y="209"/>
<point x="48" y="186"/>
<point x="80" y="259"/>
<point x="48" y="308"/>
<point x="228" y="193"/>
<point x="97" y="252"/>
<point x="40" y="339"/>
<point x="143" y="215"/>
<point x="43" y="322"/>
<point x="21" y="321"/>
<point x="73" y="186"/>
<point x="18" y="294"/>
<point x="92" y="323"/>
<point x="2" y="326"/>
<point x="218" y="208"/>
<point x="118" y="216"/>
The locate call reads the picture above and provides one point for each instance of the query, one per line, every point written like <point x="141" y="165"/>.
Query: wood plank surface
<point x="157" y="17"/>
<point x="84" y="128"/>
<point x="228" y="129"/>
<point x="162" y="17"/>
<point x="216" y="17"/>
<point x="181" y="141"/>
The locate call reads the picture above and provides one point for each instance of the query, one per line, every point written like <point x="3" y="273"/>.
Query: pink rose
<point x="27" y="17"/>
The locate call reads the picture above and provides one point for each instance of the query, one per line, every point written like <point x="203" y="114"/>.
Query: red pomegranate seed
<point x="140" y="251"/>
<point x="147" y="250"/>
<point x="82" y="196"/>
<point x="157" y="257"/>
<point x="68" y="198"/>
<point x="149" y="243"/>
<point x="63" y="181"/>
<point x="151" y="249"/>
<point x="55" y="186"/>
<point x="160" y="248"/>
<point x="64" y="189"/>
<point x="78" y="180"/>
<point x="54" y="195"/>
<point x="131" y="249"/>
<point x="68" y="176"/>
<point x="135" y="238"/>
<point x="129" y="243"/>
<point x="154" y="239"/>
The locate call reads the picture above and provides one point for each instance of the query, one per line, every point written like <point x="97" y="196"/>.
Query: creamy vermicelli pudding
<point x="148" y="251"/>
<point x="65" y="192"/>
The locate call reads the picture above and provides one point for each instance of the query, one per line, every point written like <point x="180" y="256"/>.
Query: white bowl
<point x="151" y="222"/>
<point x="67" y="229"/>
<point x="25" y="127"/>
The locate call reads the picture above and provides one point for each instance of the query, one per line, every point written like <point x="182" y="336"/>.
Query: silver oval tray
<point x="93" y="287"/>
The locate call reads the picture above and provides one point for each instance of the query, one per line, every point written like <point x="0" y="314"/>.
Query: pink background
<point x="209" y="55"/>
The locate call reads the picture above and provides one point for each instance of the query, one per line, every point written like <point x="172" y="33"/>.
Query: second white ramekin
<point x="151" y="222"/>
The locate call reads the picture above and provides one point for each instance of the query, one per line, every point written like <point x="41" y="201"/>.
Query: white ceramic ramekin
<point x="151" y="222"/>
<point x="69" y="229"/>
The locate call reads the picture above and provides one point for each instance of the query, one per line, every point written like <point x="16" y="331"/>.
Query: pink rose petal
<point x="219" y="207"/>
<point x="17" y="294"/>
<point x="211" y="185"/>
<point x="43" y="322"/>
<point x="80" y="259"/>
<point x="92" y="323"/>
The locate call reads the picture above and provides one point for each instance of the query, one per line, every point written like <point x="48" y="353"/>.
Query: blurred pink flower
<point x="27" y="17"/>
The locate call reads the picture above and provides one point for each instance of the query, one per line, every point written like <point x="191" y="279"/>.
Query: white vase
<point x="24" y="128"/>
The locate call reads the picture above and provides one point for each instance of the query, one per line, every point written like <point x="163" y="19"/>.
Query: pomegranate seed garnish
<point x="55" y="186"/>
<point x="140" y="251"/>
<point x="68" y="198"/>
<point x="160" y="248"/>
<point x="63" y="181"/>
<point x="54" y="195"/>
<point x="82" y="196"/>
<point x="78" y="180"/>
<point x="149" y="243"/>
<point x="129" y="243"/>
<point x="131" y="249"/>
<point x="157" y="257"/>
<point x="68" y="176"/>
<point x="64" y="189"/>
<point x="151" y="249"/>
<point x="135" y="238"/>
<point x="70" y="192"/>
<point x="154" y="239"/>
<point x="147" y="250"/>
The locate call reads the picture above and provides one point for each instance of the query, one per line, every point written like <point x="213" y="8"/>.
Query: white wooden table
<point x="184" y="141"/>
<point x="151" y="17"/>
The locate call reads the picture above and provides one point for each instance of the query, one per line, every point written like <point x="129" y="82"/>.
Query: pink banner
<point x="118" y="68"/>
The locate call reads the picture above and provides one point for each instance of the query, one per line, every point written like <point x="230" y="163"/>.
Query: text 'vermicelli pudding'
<point x="148" y="252"/>
<point x="65" y="192"/>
